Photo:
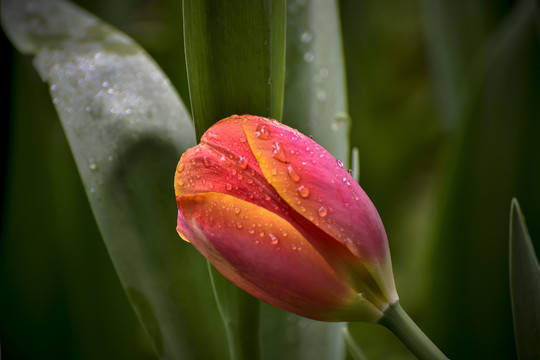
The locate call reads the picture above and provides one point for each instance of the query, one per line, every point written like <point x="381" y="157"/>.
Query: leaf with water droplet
<point x="127" y="141"/>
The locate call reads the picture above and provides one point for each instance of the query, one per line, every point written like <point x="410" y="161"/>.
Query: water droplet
<point x="284" y="233"/>
<point x="261" y="233"/>
<point x="53" y="87"/>
<point x="274" y="172"/>
<point x="181" y="182"/>
<point x="309" y="57"/>
<point x="236" y="210"/>
<point x="228" y="187"/>
<point x="238" y="225"/>
<point x="92" y="190"/>
<point x="278" y="152"/>
<point x="214" y="136"/>
<point x="193" y="162"/>
<point x="322" y="211"/>
<point x="321" y="95"/>
<point x="293" y="174"/>
<point x="243" y="140"/>
<point x="105" y="84"/>
<point x="262" y="132"/>
<point x="350" y="172"/>
<point x="273" y="239"/>
<point x="243" y="162"/>
<point x="207" y="162"/>
<point x="339" y="163"/>
<point x="323" y="72"/>
<point x="340" y="119"/>
<point x="303" y="191"/>
<point x="251" y="230"/>
<point x="306" y="37"/>
<point x="92" y="164"/>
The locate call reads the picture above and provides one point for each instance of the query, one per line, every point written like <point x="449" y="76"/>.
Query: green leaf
<point x="288" y="336"/>
<point x="315" y="99"/>
<point x="354" y="349"/>
<point x="239" y="312"/>
<point x="235" y="62"/>
<point x="127" y="128"/>
<point x="524" y="286"/>
<point x="235" y="58"/>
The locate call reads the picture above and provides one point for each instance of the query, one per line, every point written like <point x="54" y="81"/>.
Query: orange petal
<point x="265" y="255"/>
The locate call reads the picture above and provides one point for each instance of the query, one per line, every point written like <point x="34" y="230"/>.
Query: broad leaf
<point x="235" y="64"/>
<point x="235" y="57"/>
<point x="127" y="128"/>
<point x="315" y="99"/>
<point x="524" y="286"/>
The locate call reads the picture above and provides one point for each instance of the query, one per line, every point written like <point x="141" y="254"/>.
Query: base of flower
<point x="398" y="322"/>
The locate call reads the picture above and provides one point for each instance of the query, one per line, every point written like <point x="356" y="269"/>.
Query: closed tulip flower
<point x="281" y="218"/>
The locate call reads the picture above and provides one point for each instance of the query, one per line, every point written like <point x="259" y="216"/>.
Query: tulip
<point x="281" y="218"/>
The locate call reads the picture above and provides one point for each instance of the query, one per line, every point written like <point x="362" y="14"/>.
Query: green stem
<point x="397" y="321"/>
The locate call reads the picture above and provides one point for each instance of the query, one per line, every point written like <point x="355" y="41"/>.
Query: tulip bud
<point x="281" y="218"/>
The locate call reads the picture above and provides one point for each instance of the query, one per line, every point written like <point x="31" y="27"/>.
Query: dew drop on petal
<point x="181" y="183"/>
<point x="207" y="162"/>
<point x="243" y="162"/>
<point x="273" y="239"/>
<point x="228" y="187"/>
<point x="262" y="132"/>
<point x="278" y="153"/>
<point x="322" y="211"/>
<point x="303" y="191"/>
<point x="243" y="140"/>
<point x="339" y="163"/>
<point x="180" y="167"/>
<point x="274" y="172"/>
<point x="236" y="210"/>
<point x="293" y="174"/>
<point x="251" y="230"/>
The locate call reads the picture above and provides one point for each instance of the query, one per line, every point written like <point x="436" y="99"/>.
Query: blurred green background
<point x="444" y="98"/>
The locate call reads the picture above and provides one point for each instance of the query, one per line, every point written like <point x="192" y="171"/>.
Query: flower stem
<point x="397" y="321"/>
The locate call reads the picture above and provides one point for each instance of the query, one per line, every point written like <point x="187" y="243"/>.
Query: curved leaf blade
<point x="315" y="99"/>
<point x="127" y="128"/>
<point x="524" y="286"/>
<point x="235" y="58"/>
